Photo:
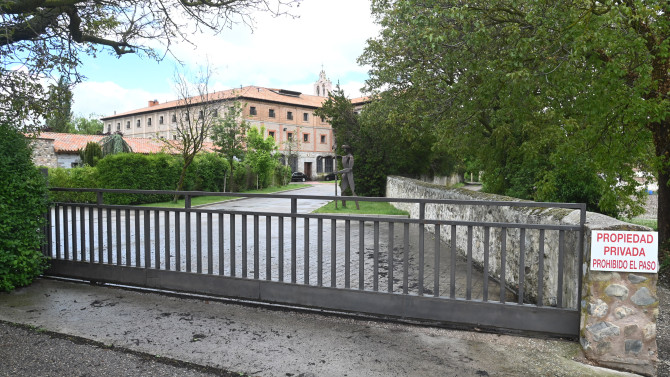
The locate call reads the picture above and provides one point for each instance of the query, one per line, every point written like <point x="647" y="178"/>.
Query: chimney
<point x="153" y="103"/>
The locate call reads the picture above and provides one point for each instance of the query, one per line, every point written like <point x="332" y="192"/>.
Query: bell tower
<point x="323" y="86"/>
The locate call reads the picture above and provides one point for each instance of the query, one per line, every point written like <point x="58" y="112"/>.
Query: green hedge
<point x="207" y="173"/>
<point x="23" y="205"/>
<point x="83" y="177"/>
<point x="137" y="172"/>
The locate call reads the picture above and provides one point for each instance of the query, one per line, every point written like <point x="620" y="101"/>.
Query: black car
<point x="330" y="177"/>
<point x="298" y="177"/>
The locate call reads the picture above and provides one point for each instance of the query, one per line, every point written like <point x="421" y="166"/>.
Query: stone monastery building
<point x="304" y="140"/>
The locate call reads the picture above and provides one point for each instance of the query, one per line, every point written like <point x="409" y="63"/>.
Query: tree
<point x="60" y="101"/>
<point x="42" y="38"/>
<point x="197" y="113"/>
<point x="87" y="126"/>
<point x="91" y="153"/>
<point x="113" y="144"/>
<point x="385" y="139"/>
<point x="23" y="204"/>
<point x="538" y="91"/>
<point x="229" y="135"/>
<point x="261" y="155"/>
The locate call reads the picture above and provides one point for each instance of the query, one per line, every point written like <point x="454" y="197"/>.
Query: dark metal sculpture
<point x="347" y="176"/>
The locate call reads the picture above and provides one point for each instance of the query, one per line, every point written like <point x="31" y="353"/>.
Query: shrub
<point x="83" y="177"/>
<point x="242" y="179"/>
<point x="23" y="205"/>
<point x="138" y="172"/>
<point x="91" y="153"/>
<point x="207" y="173"/>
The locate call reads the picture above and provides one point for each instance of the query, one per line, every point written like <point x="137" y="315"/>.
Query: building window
<point x="289" y="115"/>
<point x="186" y="117"/>
<point x="118" y="126"/>
<point x="127" y="124"/>
<point x="271" y="113"/>
<point x="319" y="164"/>
<point x="305" y="117"/>
<point x="305" y="138"/>
<point x="215" y="113"/>
<point x="148" y="121"/>
<point x="174" y="137"/>
<point x="174" y="118"/>
<point x="271" y="134"/>
<point x="289" y="136"/>
<point x="138" y="123"/>
<point x="160" y="120"/>
<point x="323" y="119"/>
<point x="328" y="162"/>
<point x="252" y="110"/>
<point x="323" y="139"/>
<point x="109" y="127"/>
<point x="201" y="114"/>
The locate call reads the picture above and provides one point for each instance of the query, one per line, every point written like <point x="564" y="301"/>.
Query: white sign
<point x="613" y="250"/>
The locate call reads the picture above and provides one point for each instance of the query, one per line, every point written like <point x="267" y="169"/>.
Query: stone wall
<point x="43" y="153"/>
<point x="619" y="310"/>
<point x="398" y="187"/>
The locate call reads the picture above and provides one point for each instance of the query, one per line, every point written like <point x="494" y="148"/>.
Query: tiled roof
<point x="72" y="143"/>
<point x="248" y="92"/>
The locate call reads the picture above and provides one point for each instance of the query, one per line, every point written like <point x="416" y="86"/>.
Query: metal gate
<point x="511" y="276"/>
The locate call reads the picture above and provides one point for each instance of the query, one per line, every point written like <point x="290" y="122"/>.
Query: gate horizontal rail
<point x="379" y="265"/>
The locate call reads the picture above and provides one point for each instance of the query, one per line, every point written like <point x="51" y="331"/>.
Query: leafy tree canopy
<point x="557" y="100"/>
<point x="43" y="38"/>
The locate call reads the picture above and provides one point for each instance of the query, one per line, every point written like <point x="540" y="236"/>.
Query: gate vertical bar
<point x="138" y="245"/>
<point x="294" y="210"/>
<point x="210" y="245"/>
<point x="127" y="223"/>
<point x="503" y="262"/>
<point x="108" y="220"/>
<point x="436" y="267"/>
<point x="166" y="231"/>
<point x="233" y="250"/>
<point x="580" y="259"/>
<point x="375" y="258"/>
<point x="75" y="250"/>
<point x="198" y="242"/>
<point x="256" y="247"/>
<point x="347" y="254"/>
<point x="119" y="246"/>
<point x="82" y="232"/>
<point x="66" y="237"/>
<point x="390" y="256"/>
<point x="540" y="271"/>
<point x="222" y="258"/>
<point x="187" y="245"/>
<point x="422" y="230"/>
<point x="91" y="235"/>
<point x="280" y="229"/>
<point x="452" y="263"/>
<point x="177" y="240"/>
<point x="268" y="248"/>
<point x="405" y="262"/>
<point x="306" y="253"/>
<point x="319" y="252"/>
<point x="485" y="289"/>
<point x="468" y="288"/>
<point x="561" y="255"/>
<point x="147" y="239"/>
<point x="58" y="230"/>
<point x="244" y="246"/>
<point x="333" y="231"/>
<point x="157" y="240"/>
<point x="361" y="255"/>
<point x="522" y="263"/>
<point x="100" y="237"/>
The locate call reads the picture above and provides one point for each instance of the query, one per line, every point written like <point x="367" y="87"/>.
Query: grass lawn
<point x="644" y="222"/>
<point x="200" y="200"/>
<point x="367" y="208"/>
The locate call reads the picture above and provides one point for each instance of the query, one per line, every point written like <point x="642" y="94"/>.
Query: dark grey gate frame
<point x="74" y="263"/>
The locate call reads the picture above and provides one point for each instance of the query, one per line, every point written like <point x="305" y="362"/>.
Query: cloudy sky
<point x="281" y="53"/>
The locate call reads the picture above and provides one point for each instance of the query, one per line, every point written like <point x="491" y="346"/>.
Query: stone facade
<point x="44" y="153"/>
<point x="619" y="309"/>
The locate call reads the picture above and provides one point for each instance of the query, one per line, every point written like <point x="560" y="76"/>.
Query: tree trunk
<point x="182" y="176"/>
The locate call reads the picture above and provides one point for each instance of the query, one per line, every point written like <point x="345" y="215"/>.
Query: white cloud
<point x="107" y="98"/>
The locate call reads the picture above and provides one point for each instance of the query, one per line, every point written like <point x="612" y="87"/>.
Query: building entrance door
<point x="308" y="170"/>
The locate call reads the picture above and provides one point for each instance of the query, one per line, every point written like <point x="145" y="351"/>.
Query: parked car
<point x="330" y="177"/>
<point x="298" y="177"/>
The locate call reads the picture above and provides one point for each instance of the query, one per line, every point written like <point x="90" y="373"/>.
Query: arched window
<point x="318" y="93"/>
<point x="319" y="164"/>
<point x="329" y="164"/>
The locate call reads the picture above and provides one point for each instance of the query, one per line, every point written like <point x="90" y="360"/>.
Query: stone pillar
<point x="619" y="313"/>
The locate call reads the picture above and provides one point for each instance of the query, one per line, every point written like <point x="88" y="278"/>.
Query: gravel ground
<point x="26" y="351"/>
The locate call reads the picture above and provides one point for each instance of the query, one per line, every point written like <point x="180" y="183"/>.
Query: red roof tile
<point x="72" y="143"/>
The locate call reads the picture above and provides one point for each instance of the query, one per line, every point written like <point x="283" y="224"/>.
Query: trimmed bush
<point x="91" y="154"/>
<point x="138" y="172"/>
<point x="23" y="204"/>
<point x="207" y="173"/>
<point x="83" y="177"/>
